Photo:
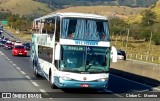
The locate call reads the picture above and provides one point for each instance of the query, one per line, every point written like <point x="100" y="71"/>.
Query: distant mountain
<point x="24" y="7"/>
<point x="58" y="4"/>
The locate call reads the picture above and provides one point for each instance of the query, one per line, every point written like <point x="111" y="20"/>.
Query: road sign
<point x="4" y="22"/>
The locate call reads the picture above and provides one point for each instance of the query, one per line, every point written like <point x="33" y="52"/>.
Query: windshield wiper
<point x="89" y="66"/>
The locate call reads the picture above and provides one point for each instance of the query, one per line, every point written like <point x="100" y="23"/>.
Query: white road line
<point x="43" y="91"/>
<point x="18" y="68"/>
<point x="22" y="72"/>
<point x="137" y="82"/>
<point x="35" y="84"/>
<point x="1" y="53"/>
<point x="28" y="77"/>
<point x="113" y="93"/>
<point x="14" y="64"/>
<point x="156" y="88"/>
<point x="8" y="59"/>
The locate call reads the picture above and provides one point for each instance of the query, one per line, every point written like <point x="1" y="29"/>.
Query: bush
<point x="156" y="38"/>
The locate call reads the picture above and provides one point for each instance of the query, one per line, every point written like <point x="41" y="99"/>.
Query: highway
<point x="16" y="75"/>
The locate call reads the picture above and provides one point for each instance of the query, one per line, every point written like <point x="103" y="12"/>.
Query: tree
<point x="118" y="26"/>
<point x="149" y="18"/>
<point x="145" y="33"/>
<point x="156" y="38"/>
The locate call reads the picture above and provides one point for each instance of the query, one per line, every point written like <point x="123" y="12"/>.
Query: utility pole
<point x="127" y="37"/>
<point x="150" y="43"/>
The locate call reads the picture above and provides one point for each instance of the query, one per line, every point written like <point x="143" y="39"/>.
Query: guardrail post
<point x="131" y="56"/>
<point x="136" y="56"/>
<point x="159" y="61"/>
<point x="147" y="58"/>
<point x="141" y="57"/>
<point x="152" y="58"/>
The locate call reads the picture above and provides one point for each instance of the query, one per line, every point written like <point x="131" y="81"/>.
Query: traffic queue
<point x="18" y="48"/>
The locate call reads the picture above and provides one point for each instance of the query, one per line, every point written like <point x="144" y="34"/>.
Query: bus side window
<point x="72" y="28"/>
<point x="49" y="26"/>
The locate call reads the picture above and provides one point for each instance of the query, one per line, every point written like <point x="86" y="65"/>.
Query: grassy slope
<point x="23" y="7"/>
<point x="156" y="9"/>
<point x="137" y="18"/>
<point x="121" y="11"/>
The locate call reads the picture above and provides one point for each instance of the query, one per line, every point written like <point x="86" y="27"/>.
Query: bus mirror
<point x="114" y="54"/>
<point x="57" y="52"/>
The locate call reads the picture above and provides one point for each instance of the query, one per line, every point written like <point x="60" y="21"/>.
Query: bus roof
<point x="73" y="14"/>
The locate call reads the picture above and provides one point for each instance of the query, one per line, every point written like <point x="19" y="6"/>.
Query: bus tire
<point x="53" y="86"/>
<point x="35" y="71"/>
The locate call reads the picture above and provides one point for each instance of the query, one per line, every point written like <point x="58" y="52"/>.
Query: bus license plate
<point x="84" y="85"/>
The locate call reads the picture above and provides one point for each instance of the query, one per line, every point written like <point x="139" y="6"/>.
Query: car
<point x="13" y="41"/>
<point x="2" y="37"/>
<point x="6" y="38"/>
<point x="2" y="42"/>
<point x="1" y="30"/>
<point x="19" y="50"/>
<point x="120" y="56"/>
<point x="8" y="45"/>
<point x="123" y="53"/>
<point x="18" y="43"/>
<point x="27" y="45"/>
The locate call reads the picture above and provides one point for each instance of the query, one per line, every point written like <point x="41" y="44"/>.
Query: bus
<point x="65" y="46"/>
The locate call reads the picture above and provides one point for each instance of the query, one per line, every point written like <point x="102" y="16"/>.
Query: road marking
<point x="1" y="53"/>
<point x="18" y="68"/>
<point x="106" y="90"/>
<point x="22" y="72"/>
<point x="43" y="91"/>
<point x="8" y="59"/>
<point x="28" y="77"/>
<point x="35" y="84"/>
<point x="137" y="82"/>
<point x="156" y="88"/>
<point x="14" y="64"/>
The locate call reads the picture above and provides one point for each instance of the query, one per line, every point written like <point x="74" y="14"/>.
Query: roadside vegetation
<point x="140" y="40"/>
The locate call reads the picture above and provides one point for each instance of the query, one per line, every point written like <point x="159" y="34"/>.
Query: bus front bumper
<point x="81" y="84"/>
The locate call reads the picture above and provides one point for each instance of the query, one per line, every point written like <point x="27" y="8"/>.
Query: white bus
<point x="72" y="50"/>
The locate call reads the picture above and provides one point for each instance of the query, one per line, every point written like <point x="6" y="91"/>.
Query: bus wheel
<point x="53" y="86"/>
<point x="35" y="70"/>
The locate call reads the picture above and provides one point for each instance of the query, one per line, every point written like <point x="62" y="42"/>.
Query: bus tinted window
<point x="49" y="26"/>
<point x="45" y="53"/>
<point x="85" y="29"/>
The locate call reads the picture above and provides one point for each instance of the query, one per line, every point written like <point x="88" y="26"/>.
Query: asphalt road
<point x="16" y="75"/>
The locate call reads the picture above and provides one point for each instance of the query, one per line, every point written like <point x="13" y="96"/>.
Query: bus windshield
<point x="84" y="59"/>
<point x="85" y="29"/>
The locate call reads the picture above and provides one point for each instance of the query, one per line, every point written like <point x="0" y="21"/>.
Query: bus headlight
<point x="65" y="78"/>
<point x="102" y="79"/>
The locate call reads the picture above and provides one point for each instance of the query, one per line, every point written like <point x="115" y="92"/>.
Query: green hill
<point x="137" y="18"/>
<point x="24" y="7"/>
